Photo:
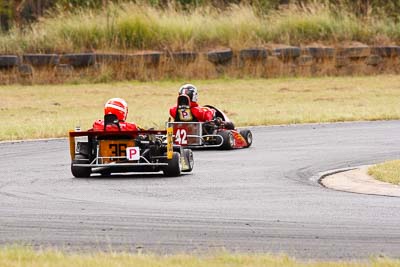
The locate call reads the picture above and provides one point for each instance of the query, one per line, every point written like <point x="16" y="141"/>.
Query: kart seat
<point x="111" y="119"/>
<point x="183" y="112"/>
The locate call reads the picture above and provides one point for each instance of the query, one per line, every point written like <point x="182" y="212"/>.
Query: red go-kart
<point x="218" y="133"/>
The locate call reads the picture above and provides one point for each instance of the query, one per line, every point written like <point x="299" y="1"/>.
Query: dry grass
<point x="386" y="172"/>
<point x="17" y="256"/>
<point x="51" y="110"/>
<point x="132" y="27"/>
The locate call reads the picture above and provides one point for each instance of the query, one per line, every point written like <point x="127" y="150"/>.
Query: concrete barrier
<point x="354" y="52"/>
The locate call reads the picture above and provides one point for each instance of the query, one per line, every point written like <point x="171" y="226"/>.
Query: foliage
<point x="21" y="257"/>
<point x="29" y="9"/>
<point x="386" y="172"/>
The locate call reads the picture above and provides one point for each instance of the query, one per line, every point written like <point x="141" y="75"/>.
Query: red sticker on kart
<point x="133" y="153"/>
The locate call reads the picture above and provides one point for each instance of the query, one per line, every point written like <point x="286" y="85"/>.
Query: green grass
<point x="51" y="110"/>
<point x="21" y="257"/>
<point x="131" y="26"/>
<point x="386" y="172"/>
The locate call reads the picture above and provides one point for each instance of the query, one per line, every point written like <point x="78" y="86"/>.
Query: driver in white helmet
<point x="197" y="113"/>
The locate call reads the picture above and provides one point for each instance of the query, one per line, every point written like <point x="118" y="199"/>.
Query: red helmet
<point x="118" y="107"/>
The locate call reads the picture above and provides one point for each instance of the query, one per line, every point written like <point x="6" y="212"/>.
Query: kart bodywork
<point x="107" y="152"/>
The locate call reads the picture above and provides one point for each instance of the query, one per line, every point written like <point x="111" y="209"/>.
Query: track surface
<point x="262" y="199"/>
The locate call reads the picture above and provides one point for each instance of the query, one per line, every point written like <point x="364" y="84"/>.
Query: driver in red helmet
<point x="195" y="112"/>
<point x="119" y="108"/>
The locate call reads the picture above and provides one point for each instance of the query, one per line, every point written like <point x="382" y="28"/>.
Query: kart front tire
<point x="188" y="154"/>
<point x="173" y="168"/>
<point x="80" y="172"/>
<point x="248" y="136"/>
<point x="228" y="140"/>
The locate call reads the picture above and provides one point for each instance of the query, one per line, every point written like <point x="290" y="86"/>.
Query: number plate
<point x="112" y="150"/>
<point x="182" y="132"/>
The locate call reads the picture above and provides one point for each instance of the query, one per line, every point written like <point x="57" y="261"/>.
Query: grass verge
<point x="386" y="172"/>
<point x="51" y="110"/>
<point x="27" y="257"/>
<point x="133" y="26"/>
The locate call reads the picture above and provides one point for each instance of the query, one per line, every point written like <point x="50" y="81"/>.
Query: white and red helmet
<point x="118" y="107"/>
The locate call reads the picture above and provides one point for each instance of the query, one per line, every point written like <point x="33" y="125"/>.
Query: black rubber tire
<point x="247" y="135"/>
<point x="321" y="52"/>
<point x="354" y="52"/>
<point x="147" y="58"/>
<point x="253" y="54"/>
<point x="386" y="51"/>
<point x="25" y="70"/>
<point x="228" y="139"/>
<point x="79" y="60"/>
<point x="220" y="56"/>
<point x="174" y="166"/>
<point x="188" y="154"/>
<point x="41" y="59"/>
<point x="373" y="60"/>
<point x="9" y="61"/>
<point x="287" y="53"/>
<point x="80" y="172"/>
<point x="109" y="58"/>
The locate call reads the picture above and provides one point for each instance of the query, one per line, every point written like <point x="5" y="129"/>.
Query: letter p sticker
<point x="133" y="153"/>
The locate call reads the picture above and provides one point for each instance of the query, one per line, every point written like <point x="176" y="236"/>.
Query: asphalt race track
<point x="262" y="199"/>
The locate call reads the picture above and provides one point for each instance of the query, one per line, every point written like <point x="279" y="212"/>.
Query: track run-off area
<point x="263" y="199"/>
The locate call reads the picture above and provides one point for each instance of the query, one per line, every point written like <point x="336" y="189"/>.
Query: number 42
<point x="181" y="137"/>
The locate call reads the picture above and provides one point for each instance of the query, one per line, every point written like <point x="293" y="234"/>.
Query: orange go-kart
<point x="107" y="152"/>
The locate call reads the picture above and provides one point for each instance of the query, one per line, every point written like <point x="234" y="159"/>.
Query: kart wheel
<point x="188" y="154"/>
<point x="228" y="140"/>
<point x="80" y="172"/>
<point x="174" y="166"/>
<point x="247" y="135"/>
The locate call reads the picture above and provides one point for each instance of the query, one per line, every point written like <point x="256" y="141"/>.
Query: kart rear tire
<point x="228" y="140"/>
<point x="80" y="172"/>
<point x="188" y="154"/>
<point x="248" y="136"/>
<point x="174" y="166"/>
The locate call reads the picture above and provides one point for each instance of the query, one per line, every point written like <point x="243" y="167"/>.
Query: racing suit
<point x="98" y="126"/>
<point x="196" y="113"/>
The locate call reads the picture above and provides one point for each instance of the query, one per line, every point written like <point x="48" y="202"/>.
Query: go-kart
<point x="107" y="152"/>
<point x="218" y="133"/>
